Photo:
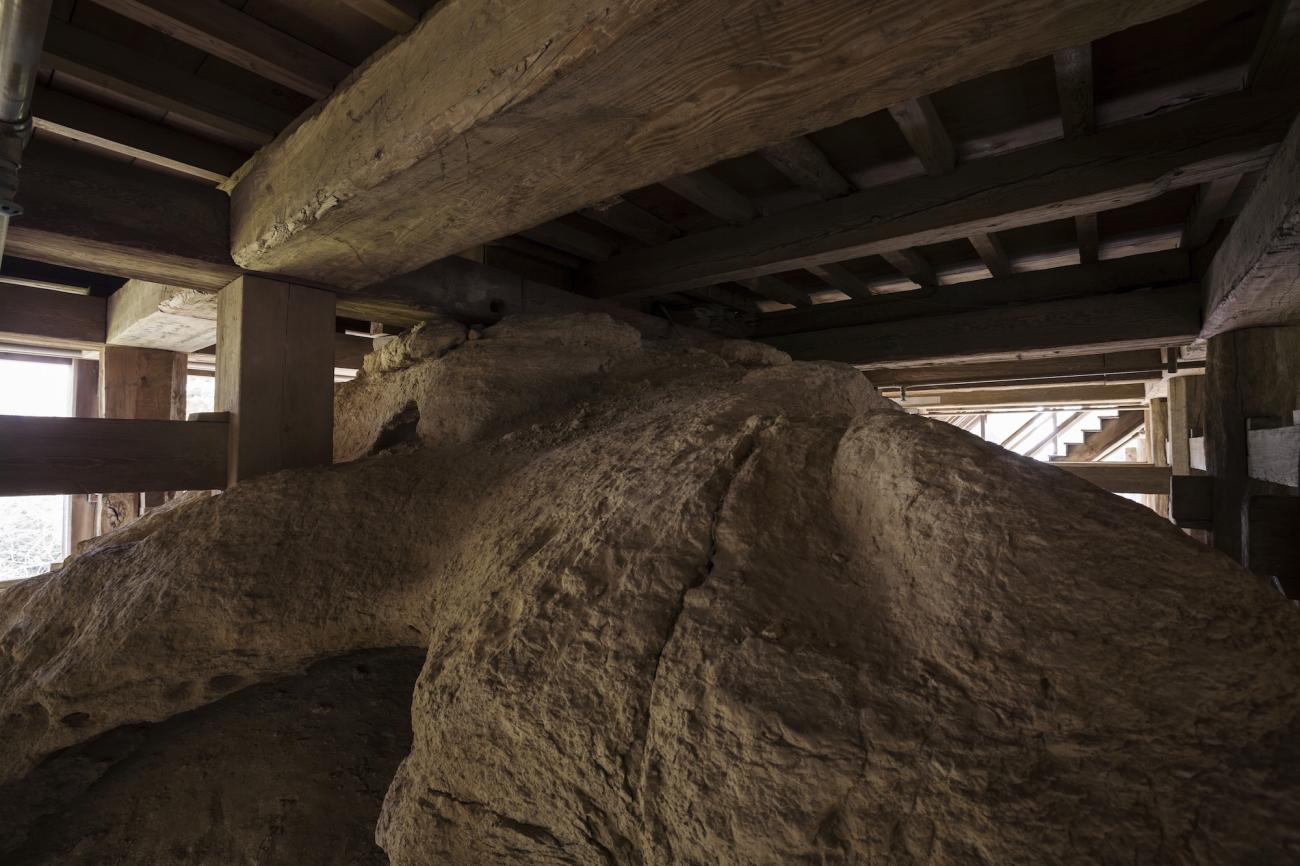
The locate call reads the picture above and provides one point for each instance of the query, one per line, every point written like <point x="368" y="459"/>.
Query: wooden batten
<point x="275" y="363"/>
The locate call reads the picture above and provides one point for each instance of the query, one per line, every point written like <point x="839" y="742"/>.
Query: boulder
<point x="685" y="604"/>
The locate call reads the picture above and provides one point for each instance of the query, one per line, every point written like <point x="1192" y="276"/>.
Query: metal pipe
<point x="22" y="33"/>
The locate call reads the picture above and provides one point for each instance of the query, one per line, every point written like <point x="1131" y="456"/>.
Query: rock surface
<point x="687" y="605"/>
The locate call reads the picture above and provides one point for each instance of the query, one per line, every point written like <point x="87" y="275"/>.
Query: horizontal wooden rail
<point x="105" y="455"/>
<point x="1122" y="477"/>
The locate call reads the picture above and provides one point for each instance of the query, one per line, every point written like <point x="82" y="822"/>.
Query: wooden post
<point x="1225" y="442"/>
<point x="275" y="375"/>
<point x="82" y="517"/>
<point x="1157" y="438"/>
<point x="1180" y="451"/>
<point x="142" y="384"/>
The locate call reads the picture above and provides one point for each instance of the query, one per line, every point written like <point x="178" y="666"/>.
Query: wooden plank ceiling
<point x="1117" y="165"/>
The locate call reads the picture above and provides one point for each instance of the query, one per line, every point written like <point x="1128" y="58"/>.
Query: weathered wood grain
<point x="543" y="107"/>
<point x="1254" y="277"/>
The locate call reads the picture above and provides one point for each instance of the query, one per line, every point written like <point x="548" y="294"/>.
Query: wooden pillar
<point x="138" y="383"/>
<point x="1157" y="444"/>
<point x="275" y="375"/>
<point x="1225" y="441"/>
<point x="83" y="518"/>
<point x="1179" y="413"/>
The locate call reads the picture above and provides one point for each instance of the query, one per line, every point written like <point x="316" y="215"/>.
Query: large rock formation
<point x="677" y="605"/>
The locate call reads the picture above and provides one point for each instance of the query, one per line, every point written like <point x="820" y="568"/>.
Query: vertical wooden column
<point x="1157" y="441"/>
<point x="82" y="511"/>
<point x="1225" y="441"/>
<point x="275" y="375"/>
<point x="138" y="383"/>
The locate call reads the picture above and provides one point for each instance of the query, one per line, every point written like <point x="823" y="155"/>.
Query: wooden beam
<point x="1137" y="320"/>
<point x="156" y="316"/>
<point x="1211" y="202"/>
<point x="1041" y="397"/>
<point x="1121" y="477"/>
<point x="803" y="163"/>
<point x="913" y="265"/>
<point x="275" y="375"/>
<point x="74" y="119"/>
<point x="240" y="39"/>
<point x="713" y="196"/>
<point x="1254" y="277"/>
<point x="843" y="279"/>
<point x="924" y="131"/>
<point x="565" y="237"/>
<point x="1135" y="272"/>
<point x="1276" y="61"/>
<point x="397" y="16"/>
<point x="104" y="64"/>
<point x="93" y="213"/>
<point x="622" y="216"/>
<point x="47" y="317"/>
<point x="1074" y="90"/>
<point x="83" y="521"/>
<point x="991" y="252"/>
<point x="1115" y="167"/>
<point x="543" y="107"/>
<point x="1191" y="501"/>
<point x="43" y="456"/>
<point x="1112" y="367"/>
<point x="779" y="290"/>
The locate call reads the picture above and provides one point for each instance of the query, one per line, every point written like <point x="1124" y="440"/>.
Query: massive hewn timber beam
<point x="40" y="456"/>
<point x="543" y="107"/>
<point x="1116" y="167"/>
<point x="1082" y="326"/>
<point x="98" y="214"/>
<point x="1254" y="277"/>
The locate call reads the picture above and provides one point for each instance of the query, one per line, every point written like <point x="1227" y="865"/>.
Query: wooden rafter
<point x="1118" y="166"/>
<point x="71" y="118"/>
<point x="96" y="61"/>
<point x="1211" y="202"/>
<point x="238" y="38"/>
<point x="924" y="131"/>
<point x="803" y="163"/>
<point x="397" y="16"/>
